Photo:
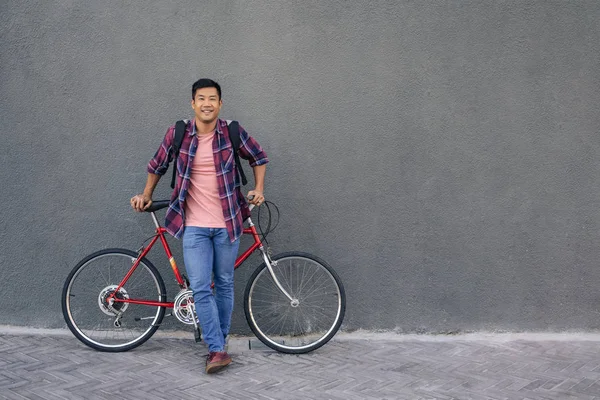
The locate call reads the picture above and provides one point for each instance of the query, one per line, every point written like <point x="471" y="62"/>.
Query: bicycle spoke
<point x="317" y="289"/>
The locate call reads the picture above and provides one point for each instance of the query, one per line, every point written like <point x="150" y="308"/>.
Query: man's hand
<point x="140" y="202"/>
<point x="257" y="197"/>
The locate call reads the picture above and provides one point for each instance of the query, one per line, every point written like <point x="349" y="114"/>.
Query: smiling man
<point x="207" y="209"/>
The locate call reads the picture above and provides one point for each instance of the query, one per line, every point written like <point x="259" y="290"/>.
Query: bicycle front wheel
<point x="112" y="326"/>
<point x="306" y="322"/>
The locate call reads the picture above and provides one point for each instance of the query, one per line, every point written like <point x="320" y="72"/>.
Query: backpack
<point x="234" y="136"/>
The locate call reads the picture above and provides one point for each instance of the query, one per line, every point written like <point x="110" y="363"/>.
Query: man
<point x="207" y="209"/>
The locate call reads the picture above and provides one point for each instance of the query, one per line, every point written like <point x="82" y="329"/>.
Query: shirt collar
<point x="219" y="129"/>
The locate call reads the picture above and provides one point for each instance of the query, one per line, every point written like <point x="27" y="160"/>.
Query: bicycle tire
<point x="279" y="324"/>
<point x="92" y="320"/>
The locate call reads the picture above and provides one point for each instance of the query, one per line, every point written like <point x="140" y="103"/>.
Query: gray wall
<point x="443" y="156"/>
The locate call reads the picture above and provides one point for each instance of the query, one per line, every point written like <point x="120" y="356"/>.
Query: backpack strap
<point x="234" y="136"/>
<point x="179" y="132"/>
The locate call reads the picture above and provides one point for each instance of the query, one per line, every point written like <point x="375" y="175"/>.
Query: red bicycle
<point x="115" y="299"/>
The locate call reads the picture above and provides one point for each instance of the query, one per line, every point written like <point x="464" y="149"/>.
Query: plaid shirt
<point x="235" y="208"/>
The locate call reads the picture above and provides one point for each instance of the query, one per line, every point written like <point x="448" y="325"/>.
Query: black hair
<point x="203" y="83"/>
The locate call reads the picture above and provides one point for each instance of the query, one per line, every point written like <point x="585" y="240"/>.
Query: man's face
<point x="206" y="104"/>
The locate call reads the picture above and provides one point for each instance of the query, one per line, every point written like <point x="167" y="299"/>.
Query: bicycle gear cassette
<point x="111" y="307"/>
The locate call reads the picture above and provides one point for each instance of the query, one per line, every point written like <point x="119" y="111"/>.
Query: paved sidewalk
<point x="37" y="364"/>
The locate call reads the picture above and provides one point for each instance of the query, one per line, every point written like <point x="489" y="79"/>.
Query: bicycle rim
<point x="95" y="322"/>
<point x="295" y="328"/>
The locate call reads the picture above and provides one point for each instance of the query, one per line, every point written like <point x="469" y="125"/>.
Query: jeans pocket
<point x="190" y="237"/>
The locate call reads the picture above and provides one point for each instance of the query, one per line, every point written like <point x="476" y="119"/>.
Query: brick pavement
<point x="54" y="365"/>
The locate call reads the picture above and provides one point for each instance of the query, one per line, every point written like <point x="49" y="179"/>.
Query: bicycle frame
<point x="160" y="234"/>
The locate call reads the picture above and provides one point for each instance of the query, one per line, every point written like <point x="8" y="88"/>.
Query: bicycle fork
<point x="270" y="263"/>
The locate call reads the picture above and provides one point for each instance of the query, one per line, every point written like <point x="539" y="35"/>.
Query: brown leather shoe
<point x="216" y="361"/>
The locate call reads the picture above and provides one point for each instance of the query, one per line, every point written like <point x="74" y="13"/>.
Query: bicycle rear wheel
<point x="304" y="324"/>
<point x="118" y="326"/>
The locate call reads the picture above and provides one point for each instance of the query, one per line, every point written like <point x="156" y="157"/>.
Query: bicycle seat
<point x="158" y="205"/>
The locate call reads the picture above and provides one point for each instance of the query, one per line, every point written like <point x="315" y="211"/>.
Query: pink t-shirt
<point x="202" y="205"/>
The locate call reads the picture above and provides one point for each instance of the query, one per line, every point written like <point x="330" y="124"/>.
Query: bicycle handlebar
<point x="160" y="204"/>
<point x="157" y="205"/>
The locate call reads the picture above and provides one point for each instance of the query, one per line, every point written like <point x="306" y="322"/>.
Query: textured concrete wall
<point x="443" y="156"/>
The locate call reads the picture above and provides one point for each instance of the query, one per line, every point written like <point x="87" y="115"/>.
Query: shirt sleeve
<point x="159" y="164"/>
<point x="250" y="150"/>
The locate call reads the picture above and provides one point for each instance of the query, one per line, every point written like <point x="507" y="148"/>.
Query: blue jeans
<point x="208" y="251"/>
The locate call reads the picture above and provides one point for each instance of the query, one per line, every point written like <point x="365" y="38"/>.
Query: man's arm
<point x="259" y="185"/>
<point x="143" y="200"/>
<point x="156" y="168"/>
<point x="251" y="151"/>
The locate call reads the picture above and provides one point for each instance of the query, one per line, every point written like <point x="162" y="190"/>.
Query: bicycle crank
<point x="184" y="308"/>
